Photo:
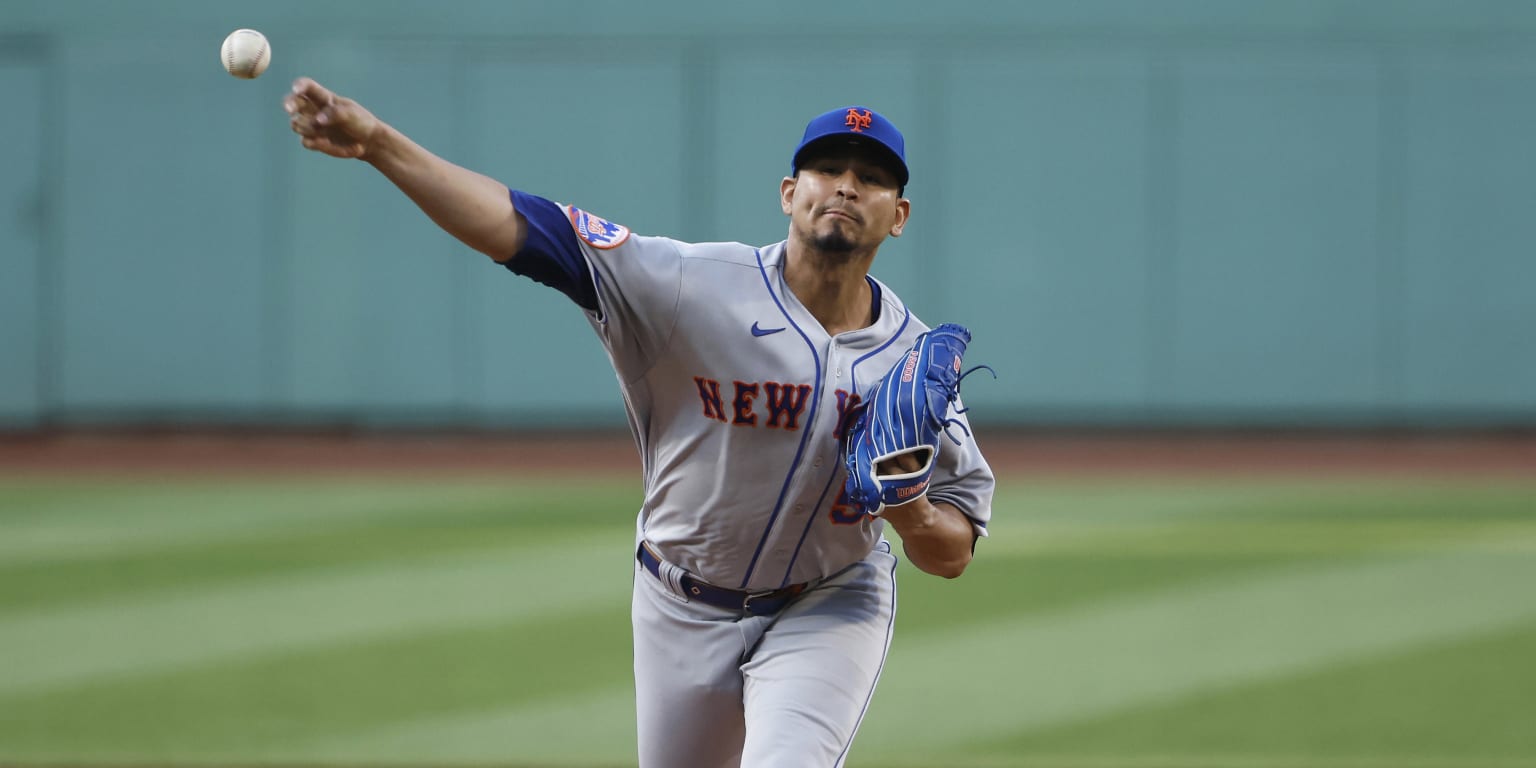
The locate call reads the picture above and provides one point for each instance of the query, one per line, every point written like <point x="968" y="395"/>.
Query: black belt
<point x="755" y="603"/>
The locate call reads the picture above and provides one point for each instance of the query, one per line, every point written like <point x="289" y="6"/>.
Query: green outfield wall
<point x="1151" y="213"/>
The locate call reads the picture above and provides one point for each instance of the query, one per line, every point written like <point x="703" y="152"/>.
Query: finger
<point x="905" y="463"/>
<point x="295" y="104"/>
<point x="302" y="125"/>
<point x="314" y="92"/>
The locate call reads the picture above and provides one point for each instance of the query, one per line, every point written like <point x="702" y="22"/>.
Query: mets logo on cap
<point x="597" y="231"/>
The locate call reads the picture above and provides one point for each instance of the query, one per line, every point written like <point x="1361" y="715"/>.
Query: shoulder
<point x="730" y="253"/>
<point x="661" y="246"/>
<point x="906" y="324"/>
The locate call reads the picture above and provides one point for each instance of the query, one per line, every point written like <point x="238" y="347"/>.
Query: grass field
<point x="1106" y="624"/>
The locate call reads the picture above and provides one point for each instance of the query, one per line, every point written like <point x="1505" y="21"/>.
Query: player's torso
<point x="742" y="416"/>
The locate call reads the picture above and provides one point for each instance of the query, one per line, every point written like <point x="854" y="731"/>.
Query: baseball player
<point x="764" y="593"/>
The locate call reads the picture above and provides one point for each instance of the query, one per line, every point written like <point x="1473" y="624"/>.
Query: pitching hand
<point x="335" y="125"/>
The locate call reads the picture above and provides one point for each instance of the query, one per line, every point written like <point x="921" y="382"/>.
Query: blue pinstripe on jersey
<point x="805" y="434"/>
<point x="853" y="384"/>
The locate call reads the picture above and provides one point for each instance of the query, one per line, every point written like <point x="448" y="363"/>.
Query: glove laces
<point x="951" y="394"/>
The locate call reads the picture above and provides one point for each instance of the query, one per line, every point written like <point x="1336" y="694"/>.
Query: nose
<point x="848" y="183"/>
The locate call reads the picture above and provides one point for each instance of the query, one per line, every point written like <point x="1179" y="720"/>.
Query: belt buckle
<point x="746" y="604"/>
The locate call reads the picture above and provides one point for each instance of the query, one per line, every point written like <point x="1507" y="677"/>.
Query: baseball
<point x="246" y="53"/>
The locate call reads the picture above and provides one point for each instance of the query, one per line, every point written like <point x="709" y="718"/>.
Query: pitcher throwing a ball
<point x="786" y="406"/>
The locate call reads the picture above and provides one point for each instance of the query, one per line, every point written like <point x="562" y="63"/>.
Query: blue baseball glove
<point x="904" y="414"/>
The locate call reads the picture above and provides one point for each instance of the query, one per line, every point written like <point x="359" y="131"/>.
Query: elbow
<point x="504" y="243"/>
<point x="951" y="568"/>
<point x="955" y="569"/>
<point x="940" y="544"/>
<point x="501" y="249"/>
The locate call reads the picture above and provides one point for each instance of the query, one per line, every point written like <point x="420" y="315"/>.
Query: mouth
<point x="840" y="214"/>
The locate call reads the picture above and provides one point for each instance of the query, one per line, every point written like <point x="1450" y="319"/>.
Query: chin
<point x="834" y="242"/>
<point x="835" y="248"/>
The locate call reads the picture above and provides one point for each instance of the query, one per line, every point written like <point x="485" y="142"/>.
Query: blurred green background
<point x="1297" y="216"/>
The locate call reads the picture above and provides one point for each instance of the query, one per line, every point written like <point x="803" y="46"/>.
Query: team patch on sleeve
<point x="597" y="231"/>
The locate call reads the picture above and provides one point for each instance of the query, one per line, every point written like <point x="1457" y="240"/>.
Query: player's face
<point x="844" y="201"/>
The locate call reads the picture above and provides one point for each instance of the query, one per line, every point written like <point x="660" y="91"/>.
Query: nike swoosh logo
<point x="756" y="331"/>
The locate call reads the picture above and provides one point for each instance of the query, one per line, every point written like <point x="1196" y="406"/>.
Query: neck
<point x="831" y="286"/>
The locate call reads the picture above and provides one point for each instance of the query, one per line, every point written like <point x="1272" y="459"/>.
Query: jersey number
<point x="844" y="513"/>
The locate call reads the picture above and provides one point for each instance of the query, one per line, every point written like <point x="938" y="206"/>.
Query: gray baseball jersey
<point x="737" y="397"/>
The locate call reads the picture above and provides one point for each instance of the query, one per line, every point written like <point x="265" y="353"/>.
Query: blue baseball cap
<point x="855" y="124"/>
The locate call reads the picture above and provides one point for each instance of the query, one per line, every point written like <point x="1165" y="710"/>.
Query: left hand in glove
<point x="889" y="451"/>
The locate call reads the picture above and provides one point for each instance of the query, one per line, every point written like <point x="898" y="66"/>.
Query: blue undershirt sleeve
<point x="551" y="253"/>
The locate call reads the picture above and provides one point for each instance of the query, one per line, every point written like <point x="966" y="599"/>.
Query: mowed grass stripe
<point x="996" y="586"/>
<point x="1047" y="670"/>
<point x="73" y="523"/>
<point x="1465" y="700"/>
<point x="1119" y="500"/>
<point x="1036" y="570"/>
<point x="1115" y="501"/>
<point x="55" y="586"/>
<point x="1468" y="499"/>
<point x="1051" y="571"/>
<point x="447" y="527"/>
<point x="126" y="519"/>
<point x="576" y="729"/>
<point x="257" y="709"/>
<point x="1280" y="537"/>
<point x="159" y="632"/>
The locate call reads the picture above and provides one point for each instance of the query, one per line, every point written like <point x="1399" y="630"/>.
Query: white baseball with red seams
<point x="245" y="54"/>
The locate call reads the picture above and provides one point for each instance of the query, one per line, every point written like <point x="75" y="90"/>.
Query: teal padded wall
<point x="23" y="278"/>
<point x="1315" y="212"/>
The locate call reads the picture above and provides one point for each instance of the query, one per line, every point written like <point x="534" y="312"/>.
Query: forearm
<point x="472" y="207"/>
<point x="937" y="538"/>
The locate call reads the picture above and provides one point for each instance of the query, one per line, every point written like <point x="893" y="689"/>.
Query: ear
<point x="787" y="195"/>
<point x="903" y="211"/>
